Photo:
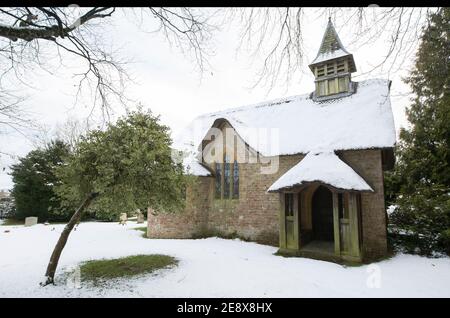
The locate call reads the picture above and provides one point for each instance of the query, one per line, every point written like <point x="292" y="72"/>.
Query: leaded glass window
<point x="235" y="180"/>
<point x="218" y="180"/>
<point x="226" y="178"/>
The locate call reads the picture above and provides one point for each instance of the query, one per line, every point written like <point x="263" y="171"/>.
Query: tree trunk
<point x="53" y="263"/>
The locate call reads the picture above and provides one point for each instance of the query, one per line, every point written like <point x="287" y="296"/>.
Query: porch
<point x="321" y="223"/>
<point x="320" y="209"/>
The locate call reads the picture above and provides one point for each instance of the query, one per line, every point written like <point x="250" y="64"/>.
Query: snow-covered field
<point x="207" y="268"/>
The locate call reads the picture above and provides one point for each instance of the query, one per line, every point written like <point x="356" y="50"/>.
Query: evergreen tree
<point x="421" y="178"/>
<point x="34" y="180"/>
<point x="127" y="166"/>
<point x="130" y="164"/>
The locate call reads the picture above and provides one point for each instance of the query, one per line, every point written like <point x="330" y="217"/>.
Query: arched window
<point x="235" y="180"/>
<point x="227" y="172"/>
<point x="226" y="178"/>
<point x="218" y="181"/>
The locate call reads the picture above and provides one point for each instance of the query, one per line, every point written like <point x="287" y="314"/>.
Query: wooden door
<point x="289" y="220"/>
<point x="322" y="214"/>
<point x="289" y="225"/>
<point x="348" y="214"/>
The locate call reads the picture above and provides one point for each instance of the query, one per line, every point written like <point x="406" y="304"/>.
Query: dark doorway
<point x="322" y="214"/>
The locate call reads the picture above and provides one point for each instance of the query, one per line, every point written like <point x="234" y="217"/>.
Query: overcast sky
<point x="167" y="83"/>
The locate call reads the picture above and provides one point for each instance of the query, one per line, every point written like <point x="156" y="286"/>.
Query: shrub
<point x="420" y="222"/>
<point x="444" y="241"/>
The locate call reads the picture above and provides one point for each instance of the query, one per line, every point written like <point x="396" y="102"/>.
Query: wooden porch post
<point x="296" y="223"/>
<point x="337" y="235"/>
<point x="282" y="222"/>
<point x="354" y="249"/>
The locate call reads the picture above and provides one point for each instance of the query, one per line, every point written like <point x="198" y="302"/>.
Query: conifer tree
<point x="34" y="178"/>
<point x="421" y="178"/>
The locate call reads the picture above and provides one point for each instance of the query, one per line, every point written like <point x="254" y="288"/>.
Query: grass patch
<point x="143" y="229"/>
<point x="100" y="270"/>
<point x="216" y="233"/>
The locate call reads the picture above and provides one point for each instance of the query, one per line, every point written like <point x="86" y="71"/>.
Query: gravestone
<point x="140" y="217"/>
<point x="123" y="218"/>
<point x="31" y="220"/>
<point x="150" y="212"/>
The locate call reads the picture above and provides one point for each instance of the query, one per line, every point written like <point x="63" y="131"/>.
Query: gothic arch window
<point x="227" y="173"/>
<point x="235" y="180"/>
<point x="226" y="178"/>
<point x="218" y="186"/>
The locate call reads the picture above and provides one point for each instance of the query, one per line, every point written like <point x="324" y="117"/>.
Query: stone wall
<point x="189" y="222"/>
<point x="255" y="215"/>
<point x="367" y="163"/>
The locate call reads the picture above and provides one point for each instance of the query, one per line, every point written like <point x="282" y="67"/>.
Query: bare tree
<point x="72" y="130"/>
<point x="12" y="114"/>
<point x="277" y="35"/>
<point x="31" y="36"/>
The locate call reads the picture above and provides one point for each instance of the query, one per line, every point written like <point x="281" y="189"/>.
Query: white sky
<point x="166" y="81"/>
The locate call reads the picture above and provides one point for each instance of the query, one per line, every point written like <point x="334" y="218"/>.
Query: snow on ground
<point x="210" y="267"/>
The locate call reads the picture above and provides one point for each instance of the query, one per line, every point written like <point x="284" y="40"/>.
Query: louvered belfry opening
<point x="332" y="66"/>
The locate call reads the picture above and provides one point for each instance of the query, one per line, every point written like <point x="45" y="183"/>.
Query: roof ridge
<point x="275" y="101"/>
<point x="362" y="120"/>
<point x="270" y="102"/>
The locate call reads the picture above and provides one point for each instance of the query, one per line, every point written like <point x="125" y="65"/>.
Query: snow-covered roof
<point x="324" y="167"/>
<point x="193" y="167"/>
<point x="299" y="124"/>
<point x="321" y="57"/>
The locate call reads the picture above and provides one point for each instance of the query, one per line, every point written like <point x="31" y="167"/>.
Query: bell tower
<point x="332" y="67"/>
